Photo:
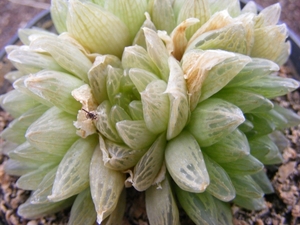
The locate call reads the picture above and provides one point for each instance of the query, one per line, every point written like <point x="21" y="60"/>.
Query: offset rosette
<point x="170" y="97"/>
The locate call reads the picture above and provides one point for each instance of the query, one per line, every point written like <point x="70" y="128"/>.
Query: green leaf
<point x="247" y="101"/>
<point x="201" y="207"/>
<point x="63" y="52"/>
<point x="265" y="150"/>
<point x="15" y="132"/>
<point x="113" y="81"/>
<point x="72" y="175"/>
<point x="179" y="102"/>
<point x="40" y="195"/>
<point x="262" y="126"/>
<point x="244" y="166"/>
<point x="213" y="120"/>
<point x="194" y="9"/>
<point x="98" y="73"/>
<point x="231" y="38"/>
<point x="292" y="118"/>
<point x="29" y="61"/>
<point x="163" y="15"/>
<point x="33" y="211"/>
<point x="31" y="180"/>
<point x="185" y="163"/>
<point x="20" y="167"/>
<point x="16" y="103"/>
<point x="137" y="57"/>
<point x="119" y="156"/>
<point x="230" y="148"/>
<point x="271" y="86"/>
<point x="136" y="110"/>
<point x="83" y="210"/>
<point x="130" y="12"/>
<point x="149" y="165"/>
<point x="104" y="124"/>
<point x="59" y="10"/>
<point x="264" y="39"/>
<point x="157" y="52"/>
<point x="135" y="134"/>
<point x="220" y="185"/>
<point x="250" y="203"/>
<point x="27" y="35"/>
<point x="246" y="186"/>
<point x="253" y="70"/>
<point x="263" y="181"/>
<point x="161" y="205"/>
<point x="141" y="78"/>
<point x="106" y="186"/>
<point x="221" y="74"/>
<point x="53" y="132"/>
<point x="224" y="215"/>
<point x="55" y="87"/>
<point x="117" y="114"/>
<point x="26" y="151"/>
<point x="116" y="217"/>
<point x="156" y="106"/>
<point x="95" y="28"/>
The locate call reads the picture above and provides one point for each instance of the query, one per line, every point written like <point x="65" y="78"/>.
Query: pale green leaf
<point x="137" y="57"/>
<point x="55" y="87"/>
<point x="213" y="120"/>
<point x="119" y="156"/>
<point x="59" y="10"/>
<point x="135" y="133"/>
<point x="31" y="180"/>
<point x="63" y="52"/>
<point x="263" y="181"/>
<point x="34" y="211"/>
<point x="250" y="203"/>
<point x="157" y="52"/>
<point x="53" y="132"/>
<point x="156" y="106"/>
<point x="220" y="185"/>
<point x="201" y="207"/>
<point x="116" y="217"/>
<point x="163" y="15"/>
<point x="104" y="124"/>
<point x="95" y="28"/>
<point x="16" y="103"/>
<point x="40" y="195"/>
<point x="271" y="86"/>
<point x="244" y="166"/>
<point x="147" y="168"/>
<point x="28" y="61"/>
<point x="230" y="148"/>
<point x="186" y="164"/>
<point x="141" y="78"/>
<point x="247" y="101"/>
<point x="136" y="110"/>
<point x="131" y="12"/>
<point x="179" y="101"/>
<point x="246" y="186"/>
<point x="72" y="175"/>
<point x="106" y="186"/>
<point x="161" y="205"/>
<point x="15" y="131"/>
<point x="98" y="73"/>
<point x="83" y="210"/>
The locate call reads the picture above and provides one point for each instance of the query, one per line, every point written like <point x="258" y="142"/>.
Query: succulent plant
<point x="171" y="97"/>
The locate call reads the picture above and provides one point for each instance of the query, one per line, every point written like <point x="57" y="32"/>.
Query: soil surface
<point x="283" y="207"/>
